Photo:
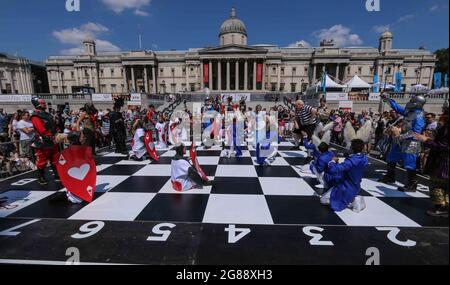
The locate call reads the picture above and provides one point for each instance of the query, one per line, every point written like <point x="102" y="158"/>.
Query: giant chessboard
<point x="251" y="215"/>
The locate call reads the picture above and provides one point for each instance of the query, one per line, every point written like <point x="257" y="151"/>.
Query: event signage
<point x="236" y="97"/>
<point x="346" y="105"/>
<point x="102" y="98"/>
<point x="374" y="97"/>
<point x="15" y="98"/>
<point x="135" y="97"/>
<point x="337" y="96"/>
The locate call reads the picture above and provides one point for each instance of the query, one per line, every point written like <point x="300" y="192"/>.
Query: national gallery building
<point x="234" y="66"/>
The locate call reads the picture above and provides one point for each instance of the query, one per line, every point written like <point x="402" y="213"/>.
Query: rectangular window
<point x="72" y="74"/>
<point x="161" y="72"/>
<point x="113" y="88"/>
<point x="293" y="87"/>
<point x="101" y="72"/>
<point x="112" y="72"/>
<point x="282" y="71"/>
<point x="184" y="71"/>
<point x="281" y="86"/>
<point x="103" y="88"/>
<point x="192" y="87"/>
<point x="359" y="70"/>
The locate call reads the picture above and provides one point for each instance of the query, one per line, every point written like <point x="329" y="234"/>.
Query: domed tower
<point x="233" y="31"/>
<point x="89" y="46"/>
<point x="386" y="41"/>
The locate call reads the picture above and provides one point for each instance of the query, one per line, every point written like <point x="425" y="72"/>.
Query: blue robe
<point x="320" y="163"/>
<point x="396" y="154"/>
<point x="352" y="171"/>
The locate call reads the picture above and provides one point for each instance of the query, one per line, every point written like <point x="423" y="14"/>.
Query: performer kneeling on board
<point x="184" y="175"/>
<point x="344" y="194"/>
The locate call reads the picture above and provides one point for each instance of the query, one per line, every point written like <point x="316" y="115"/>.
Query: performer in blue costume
<point x="207" y="124"/>
<point x="321" y="158"/>
<point x="344" y="194"/>
<point x="266" y="138"/>
<point x="405" y="147"/>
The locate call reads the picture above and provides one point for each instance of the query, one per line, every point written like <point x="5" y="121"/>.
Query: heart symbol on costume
<point x="62" y="160"/>
<point x="79" y="173"/>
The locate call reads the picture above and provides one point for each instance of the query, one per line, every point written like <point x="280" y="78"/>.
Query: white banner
<point x="236" y="97"/>
<point x="346" y="104"/>
<point x="135" y="97"/>
<point x="374" y="97"/>
<point x="102" y="98"/>
<point x="335" y="96"/>
<point x="134" y="103"/>
<point x="8" y="98"/>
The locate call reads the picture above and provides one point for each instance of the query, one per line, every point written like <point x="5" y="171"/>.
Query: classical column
<point x="264" y="71"/>
<point x="279" y="78"/>
<point x="246" y="75"/>
<point x="155" y="87"/>
<point x="254" y="75"/>
<point x="125" y="80"/>
<point x="314" y="73"/>
<point x="228" y="75"/>
<point x="187" y="69"/>
<point x="237" y="75"/>
<point x="145" y="79"/>
<point x="219" y="75"/>
<point x="133" y="83"/>
<point x="430" y="81"/>
<point x="202" y="75"/>
<point x="337" y="71"/>
<point x="77" y="82"/>
<point x="58" y="80"/>
<point x="210" y="71"/>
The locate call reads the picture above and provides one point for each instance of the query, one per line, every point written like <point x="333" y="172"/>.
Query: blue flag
<point x="324" y="82"/>
<point x="437" y="80"/>
<point x="376" y="87"/>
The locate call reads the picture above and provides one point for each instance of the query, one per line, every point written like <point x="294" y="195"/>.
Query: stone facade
<point x="21" y="76"/>
<point x="234" y="66"/>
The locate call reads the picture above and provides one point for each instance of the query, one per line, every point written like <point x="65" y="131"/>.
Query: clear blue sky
<point x="37" y="29"/>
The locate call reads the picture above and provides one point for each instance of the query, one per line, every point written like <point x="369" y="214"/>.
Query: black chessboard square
<point x="301" y="210"/>
<point x="276" y="171"/>
<point x="141" y="184"/>
<point x="209" y="170"/>
<point x="175" y="208"/>
<point x="47" y="210"/>
<point x="233" y="185"/>
<point x="121" y="170"/>
<point x="235" y="161"/>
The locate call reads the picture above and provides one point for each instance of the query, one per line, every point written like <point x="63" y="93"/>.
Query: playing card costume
<point x="266" y="138"/>
<point x="78" y="172"/>
<point x="406" y="148"/>
<point x="163" y="134"/>
<point x="44" y="140"/>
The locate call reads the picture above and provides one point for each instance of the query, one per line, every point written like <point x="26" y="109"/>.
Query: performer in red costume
<point x="44" y="141"/>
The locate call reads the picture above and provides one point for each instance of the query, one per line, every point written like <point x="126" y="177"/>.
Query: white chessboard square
<point x="303" y="170"/>
<point x="237" y="209"/>
<point x="376" y="214"/>
<point x="113" y="154"/>
<point x="213" y="147"/>
<point x="17" y="200"/>
<point x="378" y="189"/>
<point x="208" y="160"/>
<point x="286" y="144"/>
<point x="133" y="162"/>
<point x="115" y="207"/>
<point x="154" y="170"/>
<point x="236" y="171"/>
<point x="245" y="153"/>
<point x="285" y="186"/>
<point x="102" y="167"/>
<point x="106" y="183"/>
<point x="293" y="153"/>
<point x="276" y="161"/>
<point x="168" y="189"/>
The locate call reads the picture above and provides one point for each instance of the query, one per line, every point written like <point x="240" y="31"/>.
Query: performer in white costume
<point x="138" y="149"/>
<point x="162" y="128"/>
<point x="184" y="176"/>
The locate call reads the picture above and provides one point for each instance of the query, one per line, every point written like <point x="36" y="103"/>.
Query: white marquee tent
<point x="357" y="83"/>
